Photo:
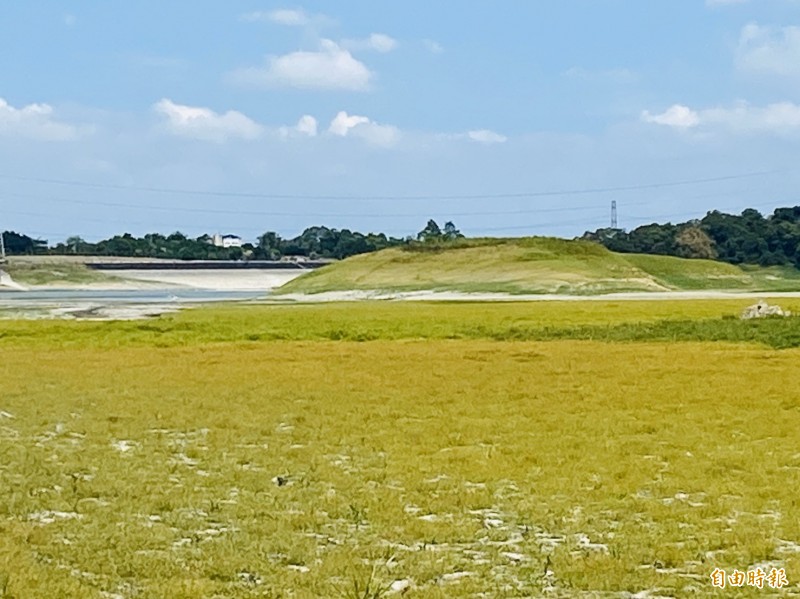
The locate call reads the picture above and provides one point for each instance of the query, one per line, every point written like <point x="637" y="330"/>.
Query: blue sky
<point x="510" y="118"/>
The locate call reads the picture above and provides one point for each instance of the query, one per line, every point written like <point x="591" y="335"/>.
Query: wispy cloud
<point x="433" y="46"/>
<point x="282" y="16"/>
<point x="331" y="67"/>
<point x="379" y="42"/>
<point x="344" y="125"/>
<point x="34" y="121"/>
<point x="289" y="17"/>
<point x="205" y="124"/>
<point x="773" y="50"/>
<point x="306" y="126"/>
<point x="486" y="136"/>
<point x="677" y="115"/>
<point x="742" y="117"/>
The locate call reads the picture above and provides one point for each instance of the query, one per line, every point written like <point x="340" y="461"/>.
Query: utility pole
<point x="2" y="249"/>
<point x="614" y="214"/>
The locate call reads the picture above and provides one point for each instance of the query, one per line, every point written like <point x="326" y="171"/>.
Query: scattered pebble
<point x="429" y="517"/>
<point x="301" y="569"/>
<point x="123" y="445"/>
<point x="49" y="516"/>
<point x="514" y="557"/>
<point x="400" y="586"/>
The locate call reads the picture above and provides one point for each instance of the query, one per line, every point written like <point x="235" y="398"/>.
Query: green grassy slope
<point x="53" y="270"/>
<point x="534" y="265"/>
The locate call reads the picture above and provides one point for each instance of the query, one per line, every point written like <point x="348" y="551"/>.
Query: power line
<point x="236" y="212"/>
<point x="272" y="213"/>
<point x="530" y="194"/>
<point x="540" y="225"/>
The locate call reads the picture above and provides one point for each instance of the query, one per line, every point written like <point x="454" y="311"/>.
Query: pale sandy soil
<point x="135" y="280"/>
<point x="181" y="289"/>
<point x="91" y="311"/>
<point x="219" y="280"/>
<point x="349" y="296"/>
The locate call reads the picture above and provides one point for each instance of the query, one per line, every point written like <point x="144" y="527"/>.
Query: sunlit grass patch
<point x="702" y="320"/>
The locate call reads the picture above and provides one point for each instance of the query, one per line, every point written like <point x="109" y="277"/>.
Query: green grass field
<point x="534" y="265"/>
<point x="569" y="449"/>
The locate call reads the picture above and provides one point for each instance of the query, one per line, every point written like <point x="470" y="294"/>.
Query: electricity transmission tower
<point x="614" y="214"/>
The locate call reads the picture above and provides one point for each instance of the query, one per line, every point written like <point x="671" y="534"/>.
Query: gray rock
<point x="762" y="309"/>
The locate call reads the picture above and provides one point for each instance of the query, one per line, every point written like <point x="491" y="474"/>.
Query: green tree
<point x="450" y="231"/>
<point x="75" y="244"/>
<point x="430" y="233"/>
<point x="269" y="246"/>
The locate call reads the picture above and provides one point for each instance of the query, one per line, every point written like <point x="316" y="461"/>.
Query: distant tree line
<point x="748" y="238"/>
<point x="313" y="243"/>
<point x="22" y="245"/>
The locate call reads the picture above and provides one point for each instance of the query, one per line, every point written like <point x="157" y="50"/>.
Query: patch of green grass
<point x="700" y="320"/>
<point x="708" y="274"/>
<point x="46" y="271"/>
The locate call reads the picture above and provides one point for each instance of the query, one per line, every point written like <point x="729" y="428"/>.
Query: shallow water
<point x="110" y="304"/>
<point x="14" y="299"/>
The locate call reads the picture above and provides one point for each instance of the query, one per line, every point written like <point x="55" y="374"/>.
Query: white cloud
<point x="205" y="124"/>
<point x="677" y="115"/>
<point x="486" y="136"/>
<point x="34" y="121"/>
<point x="774" y="50"/>
<point x="307" y="126"/>
<point x="281" y="16"/>
<point x="780" y="118"/>
<point x="290" y="17"/>
<point x="331" y="67"/>
<point x="433" y="47"/>
<point x="380" y="42"/>
<point x="344" y="125"/>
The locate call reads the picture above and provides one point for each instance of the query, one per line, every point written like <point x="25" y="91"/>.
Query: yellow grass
<point x="463" y="466"/>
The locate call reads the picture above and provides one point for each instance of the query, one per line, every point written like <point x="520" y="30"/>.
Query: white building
<point x="226" y="241"/>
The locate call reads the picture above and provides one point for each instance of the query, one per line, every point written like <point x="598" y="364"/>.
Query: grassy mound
<point x="533" y="265"/>
<point x="53" y="270"/>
